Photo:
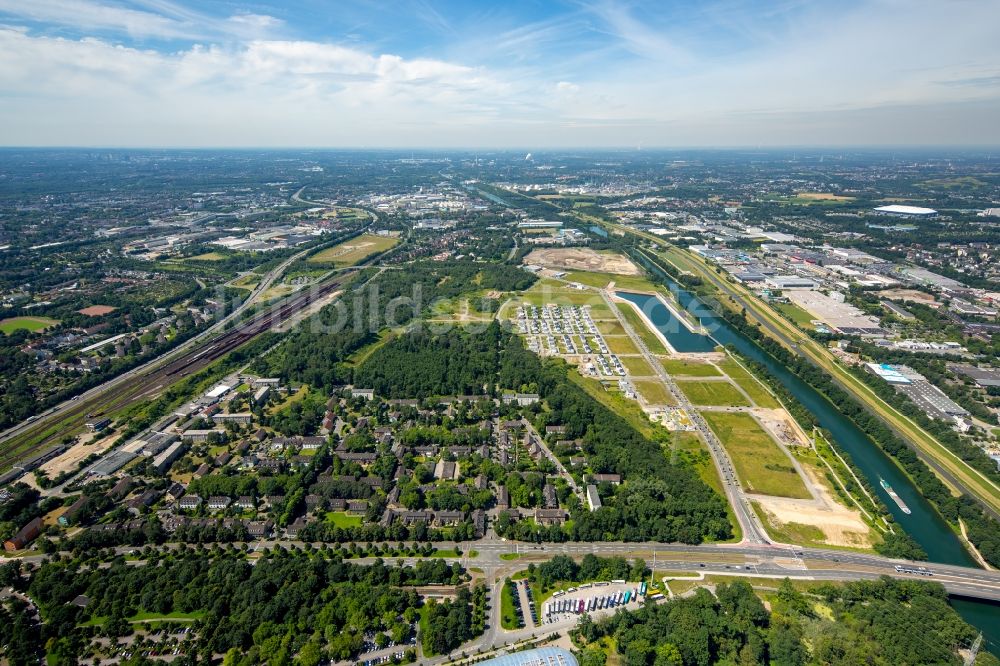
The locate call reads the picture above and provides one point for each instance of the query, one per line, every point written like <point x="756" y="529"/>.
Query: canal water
<point x="924" y="524"/>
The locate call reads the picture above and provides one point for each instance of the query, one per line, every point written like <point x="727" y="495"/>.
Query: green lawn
<point x="12" y="324"/>
<point x="757" y="391"/>
<point x="712" y="393"/>
<point x="796" y="314"/>
<point x="610" y="327"/>
<point x="637" y="365"/>
<point x="601" y="280"/>
<point x="654" y="392"/>
<point x="638" y="324"/>
<point x="682" y="368"/>
<point x="354" y="251"/>
<point x="621" y="344"/>
<point x="761" y="465"/>
<point x="208" y="256"/>
<point x="342" y="519"/>
<point x="508" y="614"/>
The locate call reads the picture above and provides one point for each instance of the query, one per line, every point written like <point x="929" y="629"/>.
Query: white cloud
<point x="836" y="71"/>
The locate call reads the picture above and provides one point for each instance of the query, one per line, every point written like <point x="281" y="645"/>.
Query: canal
<point x="924" y="524"/>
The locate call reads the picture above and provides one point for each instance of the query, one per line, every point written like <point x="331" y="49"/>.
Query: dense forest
<point x="885" y="622"/>
<point x="317" y="353"/>
<point x="282" y="605"/>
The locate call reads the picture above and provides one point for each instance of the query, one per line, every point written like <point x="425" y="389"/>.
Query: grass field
<point x="354" y="250"/>
<point x="654" y="392"/>
<point x="637" y="365"/>
<point x="342" y="519"/>
<point x="757" y="392"/>
<point x="712" y="394"/>
<point x="208" y="256"/>
<point x="619" y="404"/>
<point x="621" y="344"/>
<point x="638" y="324"/>
<point x="761" y="465"/>
<point x="796" y="314"/>
<point x="610" y="327"/>
<point x="12" y="324"/>
<point x="601" y="280"/>
<point x="682" y="368"/>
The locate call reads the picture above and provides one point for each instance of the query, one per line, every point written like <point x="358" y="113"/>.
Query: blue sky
<point x="519" y="74"/>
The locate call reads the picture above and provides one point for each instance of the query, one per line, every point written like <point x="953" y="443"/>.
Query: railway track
<point x="150" y="383"/>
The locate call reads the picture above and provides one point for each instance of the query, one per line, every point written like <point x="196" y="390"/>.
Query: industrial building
<point x="896" y="210"/>
<point x="984" y="377"/>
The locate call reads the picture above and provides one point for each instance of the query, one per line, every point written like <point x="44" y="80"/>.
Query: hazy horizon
<point x="595" y="74"/>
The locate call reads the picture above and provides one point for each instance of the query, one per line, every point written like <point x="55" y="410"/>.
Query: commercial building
<point x="545" y="656"/>
<point x="984" y="377"/>
<point x="896" y="210"/>
<point x="163" y="461"/>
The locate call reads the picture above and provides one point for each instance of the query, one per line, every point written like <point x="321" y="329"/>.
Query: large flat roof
<point x="906" y="210"/>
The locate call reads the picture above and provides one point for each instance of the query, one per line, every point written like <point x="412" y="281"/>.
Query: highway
<point x="493" y="564"/>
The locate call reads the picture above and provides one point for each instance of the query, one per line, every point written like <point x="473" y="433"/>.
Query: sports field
<point x="761" y="466"/>
<point x="713" y="393"/>
<point x="12" y="324"/>
<point x="353" y="251"/>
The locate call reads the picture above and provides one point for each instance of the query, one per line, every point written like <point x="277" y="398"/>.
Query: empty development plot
<point x="687" y="368"/>
<point x="761" y="465"/>
<point x="653" y="392"/>
<point x="636" y="365"/>
<point x="753" y="388"/>
<point x="582" y="259"/>
<point x="712" y="393"/>
<point x="354" y="251"/>
<point x="12" y="324"/>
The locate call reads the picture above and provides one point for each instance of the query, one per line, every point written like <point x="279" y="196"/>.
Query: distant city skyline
<point x="421" y="74"/>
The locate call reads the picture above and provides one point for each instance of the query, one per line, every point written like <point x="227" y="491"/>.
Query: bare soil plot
<point x="582" y="259"/>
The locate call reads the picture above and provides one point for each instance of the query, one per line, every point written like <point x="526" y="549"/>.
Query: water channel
<point x="924" y="524"/>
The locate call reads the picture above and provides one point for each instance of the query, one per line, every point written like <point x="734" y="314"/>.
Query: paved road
<point x="75" y="403"/>
<point x="753" y="531"/>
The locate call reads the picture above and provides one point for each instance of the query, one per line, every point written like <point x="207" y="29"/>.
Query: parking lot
<point x="591" y="598"/>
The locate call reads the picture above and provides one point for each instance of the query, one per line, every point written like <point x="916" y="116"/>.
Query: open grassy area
<point x="342" y="519"/>
<point x="757" y="391"/>
<point x="637" y="365"/>
<point x="712" y="393"/>
<point x="12" y="324"/>
<point x="208" y="256"/>
<point x="638" y="324"/>
<point x="796" y="314"/>
<point x="508" y="614"/>
<point x="601" y="280"/>
<point x="621" y="344"/>
<point x="761" y="465"/>
<point x="625" y="408"/>
<point x="683" y="368"/>
<point x="354" y="251"/>
<point x="654" y="392"/>
<point x="610" y="328"/>
<point x="797" y="533"/>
